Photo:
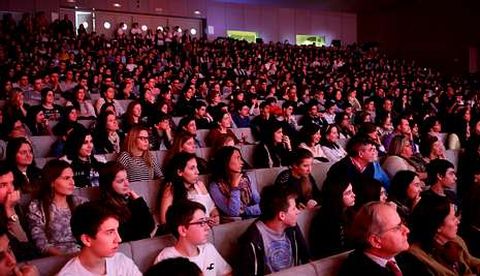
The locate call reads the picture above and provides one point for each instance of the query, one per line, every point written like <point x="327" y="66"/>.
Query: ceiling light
<point x="197" y="12"/>
<point x="117" y="5"/>
<point x="85" y="25"/>
<point x="160" y="28"/>
<point x="193" y="31"/>
<point x="144" y="28"/>
<point x="124" y="26"/>
<point x="107" y="25"/>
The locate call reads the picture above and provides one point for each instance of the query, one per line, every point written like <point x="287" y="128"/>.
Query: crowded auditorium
<point x="239" y="137"/>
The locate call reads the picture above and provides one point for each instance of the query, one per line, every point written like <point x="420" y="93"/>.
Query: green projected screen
<point x="310" y="40"/>
<point x="243" y="35"/>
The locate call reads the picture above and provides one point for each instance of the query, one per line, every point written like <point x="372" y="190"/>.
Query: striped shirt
<point x="137" y="168"/>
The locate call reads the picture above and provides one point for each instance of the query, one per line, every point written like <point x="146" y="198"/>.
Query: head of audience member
<point x="174" y="266"/>
<point x="442" y="173"/>
<point x="137" y="143"/>
<point x="113" y="182"/>
<point x="405" y="188"/>
<point x="35" y="117"/>
<point x="431" y="147"/>
<point x="402" y="126"/>
<point x="378" y="230"/>
<point x="432" y="125"/>
<point x="330" y="134"/>
<point x="400" y="146"/>
<point x="183" y="142"/>
<point x="200" y="109"/>
<point x="8" y="262"/>
<point x="109" y="93"/>
<point x="69" y="114"/>
<point x="227" y="162"/>
<point x="19" y="153"/>
<point x="265" y="110"/>
<point x="95" y="227"/>
<point x="312" y="110"/>
<point x="311" y="134"/>
<point x="370" y="130"/>
<point x="188" y="222"/>
<point x="15" y="97"/>
<point x="223" y="120"/>
<point x="362" y="149"/>
<point x="434" y="220"/>
<point x="107" y="123"/>
<point x="369" y="105"/>
<point x="273" y="134"/>
<point x="337" y="195"/>
<point x="48" y="97"/>
<point x="108" y="107"/>
<point x="6" y="182"/>
<point x="367" y="190"/>
<point x="301" y="160"/>
<point x="288" y="108"/>
<point x="79" y="145"/>
<point x="187" y="124"/>
<point x="278" y="206"/>
<point x="79" y="94"/>
<point x="134" y="112"/>
<point x="57" y="182"/>
<point x="182" y="172"/>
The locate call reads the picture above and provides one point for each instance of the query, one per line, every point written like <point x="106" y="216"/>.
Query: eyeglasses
<point x="395" y="228"/>
<point x="203" y="222"/>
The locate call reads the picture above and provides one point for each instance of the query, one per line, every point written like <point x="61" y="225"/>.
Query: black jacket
<point x="252" y="261"/>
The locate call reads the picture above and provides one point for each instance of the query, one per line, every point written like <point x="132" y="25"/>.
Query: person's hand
<point x="286" y="141"/>
<point x="311" y="204"/>
<point x="11" y="200"/>
<point x="26" y="270"/>
<point x="131" y="193"/>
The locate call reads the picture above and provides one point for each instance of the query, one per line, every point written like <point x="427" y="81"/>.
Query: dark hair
<point x="184" y="122"/>
<point x="308" y="131"/>
<point x="426" y="144"/>
<point x="13" y="147"/>
<point x="366" y="189"/>
<point x="199" y="104"/>
<point x="44" y="93"/>
<point x="288" y="104"/>
<point x="220" y="170"/>
<point x="273" y="200"/>
<point x="367" y="128"/>
<point x="180" y="213"/>
<point x="270" y="130"/>
<point x="108" y="195"/>
<point x="174" y="266"/>
<point x="437" y="167"/>
<point x="332" y="194"/>
<point x="5" y="168"/>
<point x="74" y="142"/>
<point x="354" y="144"/>
<point x="426" y="218"/>
<point x="177" y="163"/>
<point x="50" y="172"/>
<point x="87" y="218"/>
<point x="399" y="186"/>
<point x="298" y="155"/>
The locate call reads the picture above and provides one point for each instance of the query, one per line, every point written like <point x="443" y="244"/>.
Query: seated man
<point x="381" y="236"/>
<point x="299" y="178"/>
<point x="8" y="263"/>
<point x="442" y="180"/>
<point x="189" y="224"/>
<point x="12" y="217"/>
<point x="274" y="242"/>
<point x="96" y="229"/>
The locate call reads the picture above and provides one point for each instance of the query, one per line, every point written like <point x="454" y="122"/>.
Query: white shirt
<point x="208" y="259"/>
<point x="118" y="265"/>
<point x="380" y="261"/>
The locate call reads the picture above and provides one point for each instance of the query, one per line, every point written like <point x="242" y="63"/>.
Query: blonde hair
<point x="131" y="144"/>
<point x="397" y="145"/>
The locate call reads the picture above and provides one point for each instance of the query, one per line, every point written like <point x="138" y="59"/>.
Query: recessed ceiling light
<point x="193" y="31"/>
<point x="160" y="28"/>
<point x="144" y="28"/>
<point x="117" y="5"/>
<point x="124" y="26"/>
<point x="197" y="12"/>
<point x="107" y="25"/>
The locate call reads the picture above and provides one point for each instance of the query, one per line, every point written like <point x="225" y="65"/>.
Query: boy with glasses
<point x="190" y="225"/>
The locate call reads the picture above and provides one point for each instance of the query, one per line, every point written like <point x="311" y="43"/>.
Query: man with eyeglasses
<point x="381" y="237"/>
<point x="190" y="225"/>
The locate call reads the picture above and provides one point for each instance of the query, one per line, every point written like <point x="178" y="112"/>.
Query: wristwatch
<point x="13" y="218"/>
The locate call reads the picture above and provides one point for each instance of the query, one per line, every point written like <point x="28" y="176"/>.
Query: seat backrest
<point x="330" y="265"/>
<point x="303" y="270"/>
<point x="319" y="173"/>
<point x="145" y="251"/>
<point x="201" y="134"/>
<point x="266" y="177"/>
<point x="244" y="132"/>
<point x="304" y="221"/>
<point x="42" y="145"/>
<point x="342" y="142"/>
<point x="248" y="153"/>
<point x="124" y="104"/>
<point x="51" y="265"/>
<point x="41" y="161"/>
<point x="90" y="193"/>
<point x="148" y="190"/>
<point x="452" y="156"/>
<point x="226" y="236"/>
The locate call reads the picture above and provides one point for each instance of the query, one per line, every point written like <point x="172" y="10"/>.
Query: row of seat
<point x="224" y="237"/>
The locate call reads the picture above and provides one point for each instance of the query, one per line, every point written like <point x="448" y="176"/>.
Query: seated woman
<point x="434" y="240"/>
<point x="233" y="190"/>
<point x="15" y="108"/>
<point x="136" y="221"/>
<point x="224" y="123"/>
<point x="108" y="97"/>
<point x="181" y="182"/>
<point x="85" y="107"/>
<point x="299" y="178"/>
<point x="51" y="110"/>
<point x="330" y="223"/>
<point x="430" y="148"/>
<point x="107" y="135"/>
<point x="311" y="141"/>
<point x="20" y="157"/>
<point x="69" y="120"/>
<point x="79" y="153"/>
<point x="184" y="142"/>
<point x="50" y="212"/>
<point x="37" y="123"/>
<point x="330" y="147"/>
<point x="405" y="189"/>
<point x="273" y="151"/>
<point x="140" y="163"/>
<point x="133" y="116"/>
<point x="398" y="158"/>
<point x="188" y="125"/>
